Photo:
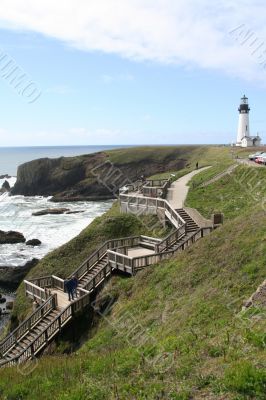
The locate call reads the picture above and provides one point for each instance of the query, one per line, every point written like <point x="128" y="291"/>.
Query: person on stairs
<point x="70" y="289"/>
<point x="75" y="285"/>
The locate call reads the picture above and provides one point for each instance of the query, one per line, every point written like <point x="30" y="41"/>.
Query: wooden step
<point x="26" y="342"/>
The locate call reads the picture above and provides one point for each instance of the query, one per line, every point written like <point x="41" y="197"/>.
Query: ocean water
<point x="51" y="230"/>
<point x="16" y="211"/>
<point x="12" y="157"/>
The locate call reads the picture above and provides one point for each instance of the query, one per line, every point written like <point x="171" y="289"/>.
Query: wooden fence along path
<point x="55" y="310"/>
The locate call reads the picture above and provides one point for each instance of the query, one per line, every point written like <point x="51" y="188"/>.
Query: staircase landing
<point x="139" y="251"/>
<point x="62" y="298"/>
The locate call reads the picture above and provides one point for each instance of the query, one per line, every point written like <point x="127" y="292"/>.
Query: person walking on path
<point x="197" y="165"/>
<point x="70" y="289"/>
<point x="75" y="285"/>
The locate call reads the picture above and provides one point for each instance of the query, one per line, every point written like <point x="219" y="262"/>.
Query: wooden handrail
<point x="48" y="333"/>
<point x="37" y="292"/>
<point x="133" y="262"/>
<point x="154" y="203"/>
<point x="156" y="182"/>
<point x="150" y="239"/>
<point x="98" y="254"/>
<point x="170" y="239"/>
<point x="156" y="187"/>
<point x="98" y="278"/>
<point x="26" y="325"/>
<point x="58" y="283"/>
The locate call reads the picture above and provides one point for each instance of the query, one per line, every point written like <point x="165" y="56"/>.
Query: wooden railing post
<point x="133" y="267"/>
<point x="46" y="336"/>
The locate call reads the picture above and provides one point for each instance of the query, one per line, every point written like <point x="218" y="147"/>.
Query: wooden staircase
<point x="98" y="270"/>
<point x="191" y="225"/>
<point x="180" y="242"/>
<point x="55" y="309"/>
<point x="25" y="341"/>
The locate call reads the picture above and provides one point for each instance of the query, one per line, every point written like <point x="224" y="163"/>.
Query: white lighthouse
<point x="243" y="134"/>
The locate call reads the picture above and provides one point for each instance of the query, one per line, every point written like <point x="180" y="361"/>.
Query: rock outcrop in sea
<point x="47" y="211"/>
<point x="11" y="237"/>
<point x="11" y="277"/>
<point x="33" y="242"/>
<point x="5" y="187"/>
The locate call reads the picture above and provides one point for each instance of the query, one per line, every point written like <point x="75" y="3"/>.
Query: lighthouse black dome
<point x="244" y="107"/>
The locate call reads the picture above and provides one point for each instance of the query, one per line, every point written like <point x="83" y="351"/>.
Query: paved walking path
<point x="178" y="191"/>
<point x="250" y="163"/>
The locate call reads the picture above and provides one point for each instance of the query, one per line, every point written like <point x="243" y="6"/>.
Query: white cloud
<point x="184" y="32"/>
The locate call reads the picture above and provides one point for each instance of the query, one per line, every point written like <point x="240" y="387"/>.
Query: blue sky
<point x="130" y="81"/>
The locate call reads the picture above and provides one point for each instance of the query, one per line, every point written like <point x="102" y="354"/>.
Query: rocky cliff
<point x="95" y="176"/>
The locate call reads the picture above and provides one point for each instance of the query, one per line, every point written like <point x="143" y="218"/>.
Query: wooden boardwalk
<point x="129" y="255"/>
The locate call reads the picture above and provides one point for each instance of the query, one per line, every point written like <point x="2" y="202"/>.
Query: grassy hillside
<point x="175" y="330"/>
<point x="233" y="194"/>
<point x="188" y="307"/>
<point x="220" y="157"/>
<point x="152" y="153"/>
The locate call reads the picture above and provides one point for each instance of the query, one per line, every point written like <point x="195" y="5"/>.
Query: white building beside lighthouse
<point x="243" y="134"/>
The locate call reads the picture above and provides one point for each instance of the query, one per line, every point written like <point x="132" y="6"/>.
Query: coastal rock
<point x="9" y="305"/>
<point x="51" y="211"/>
<point x="11" y="277"/>
<point x="33" y="242"/>
<point x="74" y="212"/>
<point x="2" y="299"/>
<point x="5" y="187"/>
<point x="11" y="237"/>
<point x="6" y="176"/>
<point x="95" y="176"/>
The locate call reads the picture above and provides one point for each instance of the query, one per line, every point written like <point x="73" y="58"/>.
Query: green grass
<point x="150" y="153"/>
<point x="232" y="195"/>
<point x="219" y="157"/>
<point x="247" y="380"/>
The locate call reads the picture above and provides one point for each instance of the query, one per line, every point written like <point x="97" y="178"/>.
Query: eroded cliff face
<point x="35" y="177"/>
<point x="55" y="176"/>
<point x="88" y="177"/>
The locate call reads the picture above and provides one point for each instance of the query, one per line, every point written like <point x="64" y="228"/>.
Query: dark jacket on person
<point x="75" y="283"/>
<point x="69" y="285"/>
